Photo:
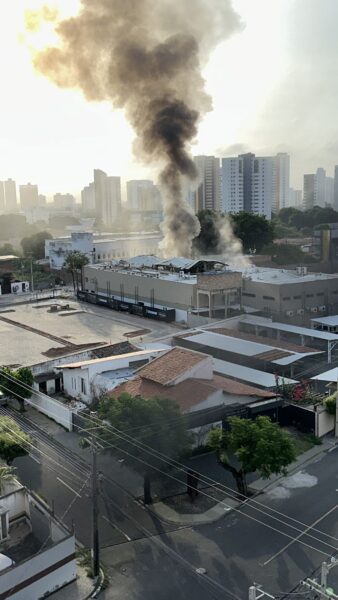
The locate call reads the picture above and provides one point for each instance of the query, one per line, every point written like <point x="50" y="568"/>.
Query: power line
<point x="152" y="452"/>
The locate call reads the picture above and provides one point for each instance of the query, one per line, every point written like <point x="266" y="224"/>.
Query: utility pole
<point x="95" y="529"/>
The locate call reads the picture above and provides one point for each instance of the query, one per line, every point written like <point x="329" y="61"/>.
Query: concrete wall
<point x="277" y="300"/>
<point x="177" y="294"/>
<point x="54" y="409"/>
<point x="16" y="503"/>
<point x="325" y="423"/>
<point x="42" y="574"/>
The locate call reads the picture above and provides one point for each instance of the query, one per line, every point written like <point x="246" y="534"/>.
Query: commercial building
<point x="176" y="289"/>
<point x="296" y="198"/>
<point x="100" y="248"/>
<point x="107" y="197"/>
<point x="37" y="551"/>
<point x="290" y="295"/>
<point x="208" y="193"/>
<point x="29" y="196"/>
<point x="247" y="183"/>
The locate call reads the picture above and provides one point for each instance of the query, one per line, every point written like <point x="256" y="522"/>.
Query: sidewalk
<point x="81" y="589"/>
<point x="259" y="486"/>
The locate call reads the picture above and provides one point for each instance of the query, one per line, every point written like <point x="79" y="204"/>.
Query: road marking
<point x="297" y="538"/>
<point x="68" y="486"/>
<point x="36" y="459"/>
<point x="117" y="527"/>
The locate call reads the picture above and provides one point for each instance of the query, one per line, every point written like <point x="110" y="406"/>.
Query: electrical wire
<point x="218" y="486"/>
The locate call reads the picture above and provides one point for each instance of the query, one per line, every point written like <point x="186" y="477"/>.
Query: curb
<point x="170" y="516"/>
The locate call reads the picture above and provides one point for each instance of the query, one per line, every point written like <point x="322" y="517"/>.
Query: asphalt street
<point x="276" y="539"/>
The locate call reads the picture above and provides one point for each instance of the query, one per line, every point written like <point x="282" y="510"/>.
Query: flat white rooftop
<point x="305" y="331"/>
<point x="186" y="279"/>
<point x="330" y="321"/>
<point x="254" y="376"/>
<point x="328" y="376"/>
<point x="281" y="276"/>
<point x="245" y="347"/>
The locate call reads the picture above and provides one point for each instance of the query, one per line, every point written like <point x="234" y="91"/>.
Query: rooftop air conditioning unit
<point x="322" y="308"/>
<point x="300" y="311"/>
<point x="314" y="309"/>
<point x="289" y="313"/>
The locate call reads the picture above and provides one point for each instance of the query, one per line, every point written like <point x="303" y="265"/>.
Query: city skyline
<point x="65" y="130"/>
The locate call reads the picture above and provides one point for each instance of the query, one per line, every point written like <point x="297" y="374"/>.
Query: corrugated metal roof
<point x="307" y="332"/>
<point x="254" y="376"/>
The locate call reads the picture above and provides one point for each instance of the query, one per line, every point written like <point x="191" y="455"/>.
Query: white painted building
<point x="38" y="553"/>
<point x="208" y="194"/>
<point x="281" y="195"/>
<point x="89" y="379"/>
<point x="247" y="183"/>
<point x="107" y="197"/>
<point x="100" y="247"/>
<point x="232" y="185"/>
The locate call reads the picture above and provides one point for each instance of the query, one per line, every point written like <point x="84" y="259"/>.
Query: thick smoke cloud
<point x="145" y="56"/>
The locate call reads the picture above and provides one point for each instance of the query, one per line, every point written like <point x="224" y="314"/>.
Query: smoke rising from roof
<point x="146" y="57"/>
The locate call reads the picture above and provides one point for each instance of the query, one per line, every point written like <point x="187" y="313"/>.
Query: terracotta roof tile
<point x="169" y="366"/>
<point x="190" y="392"/>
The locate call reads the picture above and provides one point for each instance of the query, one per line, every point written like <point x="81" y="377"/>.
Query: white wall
<point x="324" y="422"/>
<point x="14" y="576"/>
<point x="54" y="409"/>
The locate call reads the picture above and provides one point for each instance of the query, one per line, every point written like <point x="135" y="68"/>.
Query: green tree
<point x="34" y="245"/>
<point x="13" y="441"/>
<point x="255" y="231"/>
<point x="6" y="475"/>
<point x="252" y="446"/>
<point x="148" y="421"/>
<point x="16" y="383"/>
<point x="6" y="250"/>
<point x="285" y="254"/>
<point x="74" y="263"/>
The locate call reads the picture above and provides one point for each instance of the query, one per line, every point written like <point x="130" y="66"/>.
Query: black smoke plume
<point x="145" y="56"/>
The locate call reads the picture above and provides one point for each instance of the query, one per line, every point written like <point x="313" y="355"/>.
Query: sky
<point x="274" y="86"/>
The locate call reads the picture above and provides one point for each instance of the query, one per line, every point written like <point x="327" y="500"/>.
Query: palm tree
<point x="6" y="475"/>
<point x="75" y="261"/>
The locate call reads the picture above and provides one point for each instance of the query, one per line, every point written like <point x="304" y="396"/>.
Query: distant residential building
<point x="309" y="191"/>
<point x="281" y="195"/>
<point x="335" y="191"/>
<point x="296" y="198"/>
<point x="318" y="189"/>
<point x="208" y="193"/>
<point x="10" y="196"/>
<point x="100" y="248"/>
<point x="42" y="200"/>
<point x="64" y="201"/>
<point x="247" y="184"/>
<point x="2" y="198"/>
<point x="29" y="196"/>
<point x="88" y="199"/>
<point x="37" y="551"/>
<point x="107" y="197"/>
<point x="143" y="195"/>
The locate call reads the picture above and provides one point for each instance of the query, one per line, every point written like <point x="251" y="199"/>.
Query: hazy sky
<point x="274" y="86"/>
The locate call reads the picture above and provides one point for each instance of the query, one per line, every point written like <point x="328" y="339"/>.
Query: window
<point x="248" y="295"/>
<point x="286" y="298"/>
<point x="268" y="298"/>
<point x="297" y="297"/>
<point x="83" y="386"/>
